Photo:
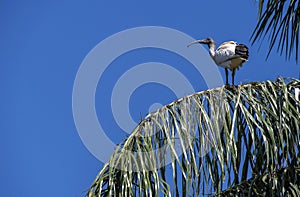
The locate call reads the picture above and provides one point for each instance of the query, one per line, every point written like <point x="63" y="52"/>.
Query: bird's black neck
<point x="212" y="48"/>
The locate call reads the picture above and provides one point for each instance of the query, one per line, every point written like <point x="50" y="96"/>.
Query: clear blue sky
<point x="43" y="44"/>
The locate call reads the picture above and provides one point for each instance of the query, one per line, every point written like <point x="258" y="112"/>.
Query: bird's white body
<point x="225" y="56"/>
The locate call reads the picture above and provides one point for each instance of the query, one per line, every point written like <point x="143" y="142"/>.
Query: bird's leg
<point x="226" y="73"/>
<point x="233" y="73"/>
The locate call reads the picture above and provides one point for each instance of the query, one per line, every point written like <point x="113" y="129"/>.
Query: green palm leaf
<point x="243" y="140"/>
<point x="280" y="20"/>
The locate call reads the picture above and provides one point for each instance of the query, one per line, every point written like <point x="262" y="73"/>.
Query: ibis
<point x="229" y="55"/>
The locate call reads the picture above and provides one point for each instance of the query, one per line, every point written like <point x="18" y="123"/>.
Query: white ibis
<point x="228" y="55"/>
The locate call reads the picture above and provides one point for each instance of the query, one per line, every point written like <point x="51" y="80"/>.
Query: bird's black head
<point x="208" y="41"/>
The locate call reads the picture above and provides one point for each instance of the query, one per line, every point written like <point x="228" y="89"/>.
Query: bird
<point x="229" y="55"/>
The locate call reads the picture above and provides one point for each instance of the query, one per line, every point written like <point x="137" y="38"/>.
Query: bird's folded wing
<point x="223" y="56"/>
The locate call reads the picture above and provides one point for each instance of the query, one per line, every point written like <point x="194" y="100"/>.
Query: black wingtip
<point x="242" y="51"/>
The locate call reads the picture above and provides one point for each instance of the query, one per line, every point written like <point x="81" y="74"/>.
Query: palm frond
<point x="238" y="140"/>
<point x="280" y="20"/>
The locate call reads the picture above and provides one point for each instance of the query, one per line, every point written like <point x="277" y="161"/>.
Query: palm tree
<point x="280" y="19"/>
<point x="228" y="141"/>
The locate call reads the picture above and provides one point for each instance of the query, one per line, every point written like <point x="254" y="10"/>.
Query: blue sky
<point x="43" y="44"/>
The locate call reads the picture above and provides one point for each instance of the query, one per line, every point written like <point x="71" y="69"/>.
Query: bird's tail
<point x="242" y="51"/>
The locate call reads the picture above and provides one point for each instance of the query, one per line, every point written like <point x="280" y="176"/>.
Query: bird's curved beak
<point x="197" y="42"/>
